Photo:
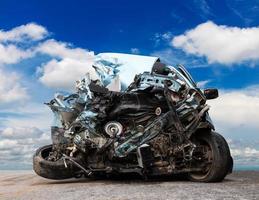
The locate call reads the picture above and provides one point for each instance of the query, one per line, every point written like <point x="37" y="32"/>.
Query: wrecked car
<point x="156" y="125"/>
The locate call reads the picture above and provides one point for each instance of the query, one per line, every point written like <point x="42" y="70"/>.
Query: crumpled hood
<point x="117" y="70"/>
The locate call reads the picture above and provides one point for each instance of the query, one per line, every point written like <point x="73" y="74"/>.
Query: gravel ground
<point x="26" y="185"/>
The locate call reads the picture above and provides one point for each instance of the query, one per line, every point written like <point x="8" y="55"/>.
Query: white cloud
<point x="63" y="74"/>
<point x="42" y="121"/>
<point x="245" y="152"/>
<point x="16" y="149"/>
<point x="21" y="132"/>
<point x="235" y="113"/>
<point x="28" y="108"/>
<point x="71" y="64"/>
<point x="63" y="50"/>
<point x="237" y="108"/>
<point x="245" y="155"/>
<point x="220" y="44"/>
<point x="22" y="33"/>
<point x="7" y="143"/>
<point x="10" y="54"/>
<point x="68" y="63"/>
<point x="18" y="142"/>
<point x="10" y="88"/>
<point x="28" y="113"/>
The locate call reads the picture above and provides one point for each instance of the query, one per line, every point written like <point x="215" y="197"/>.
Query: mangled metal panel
<point x="120" y="69"/>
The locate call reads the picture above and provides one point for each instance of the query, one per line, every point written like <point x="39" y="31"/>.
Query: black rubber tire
<point x="52" y="169"/>
<point x="222" y="162"/>
<point x="230" y="159"/>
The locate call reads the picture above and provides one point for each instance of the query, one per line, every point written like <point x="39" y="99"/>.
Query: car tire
<point x="222" y="162"/>
<point x="52" y="169"/>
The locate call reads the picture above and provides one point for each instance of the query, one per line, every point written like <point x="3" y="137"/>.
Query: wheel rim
<point x="45" y="152"/>
<point x="207" y="160"/>
<point x="48" y="155"/>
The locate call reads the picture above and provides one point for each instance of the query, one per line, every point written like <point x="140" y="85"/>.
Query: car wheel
<point x="217" y="161"/>
<point x="52" y="169"/>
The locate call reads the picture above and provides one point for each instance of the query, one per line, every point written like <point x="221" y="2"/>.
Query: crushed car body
<point x="134" y="114"/>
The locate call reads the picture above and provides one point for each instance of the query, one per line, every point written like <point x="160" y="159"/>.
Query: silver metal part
<point x="113" y="128"/>
<point x="158" y="111"/>
<point x="65" y="157"/>
<point x="157" y="81"/>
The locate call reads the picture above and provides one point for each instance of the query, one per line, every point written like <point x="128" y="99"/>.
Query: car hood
<point x="117" y="70"/>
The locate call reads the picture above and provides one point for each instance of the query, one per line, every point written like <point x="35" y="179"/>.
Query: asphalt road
<point x="26" y="185"/>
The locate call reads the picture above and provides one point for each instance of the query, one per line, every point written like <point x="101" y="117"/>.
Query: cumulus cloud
<point x="17" y="145"/>
<point x="10" y="88"/>
<point x="235" y="115"/>
<point x="244" y="153"/>
<point x="64" y="73"/>
<point x="7" y="143"/>
<point x="30" y="31"/>
<point x="37" y="114"/>
<point x="237" y="108"/>
<point x="18" y="141"/>
<point x="10" y="54"/>
<point x="21" y="132"/>
<point x="63" y="50"/>
<point x="219" y="43"/>
<point x="69" y="64"/>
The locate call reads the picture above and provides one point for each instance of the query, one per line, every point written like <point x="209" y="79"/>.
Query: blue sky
<point x="119" y="26"/>
<point x="42" y="42"/>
